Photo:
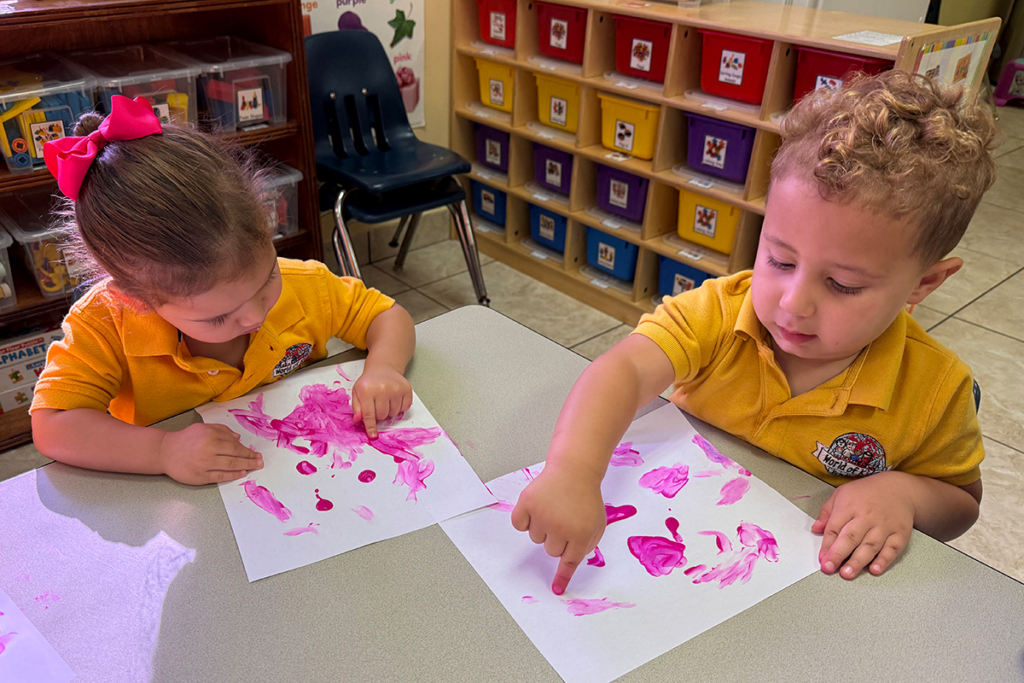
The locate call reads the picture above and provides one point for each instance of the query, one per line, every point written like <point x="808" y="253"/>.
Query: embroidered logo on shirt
<point x="293" y="358"/>
<point x="852" y="455"/>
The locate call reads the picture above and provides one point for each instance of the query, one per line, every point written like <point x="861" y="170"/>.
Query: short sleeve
<point x="353" y="307"/>
<point x="689" y="328"/>
<point x="83" y="370"/>
<point x="952" y="448"/>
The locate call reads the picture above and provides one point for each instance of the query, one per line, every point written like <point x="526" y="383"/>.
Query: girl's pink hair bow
<point x="69" y="158"/>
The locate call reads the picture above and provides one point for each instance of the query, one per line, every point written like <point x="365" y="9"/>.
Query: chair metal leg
<point x="402" y="225"/>
<point x="341" y="241"/>
<point x="414" y="222"/>
<point x="464" y="226"/>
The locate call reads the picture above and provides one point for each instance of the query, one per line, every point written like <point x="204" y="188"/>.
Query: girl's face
<point x="229" y="309"/>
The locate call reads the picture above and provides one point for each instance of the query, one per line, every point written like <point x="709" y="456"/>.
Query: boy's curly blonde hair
<point x="899" y="144"/>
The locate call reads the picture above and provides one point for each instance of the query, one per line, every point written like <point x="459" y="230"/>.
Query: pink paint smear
<point x="6" y="638"/>
<point x="364" y="512"/>
<point x="305" y="467"/>
<point x="502" y="506"/>
<point x="755" y="543"/>
<point x="302" y="530"/>
<point x="322" y="504"/>
<point x="714" y="456"/>
<point x="47" y="598"/>
<point x="580" y="608"/>
<point x="324" y="419"/>
<point x="625" y="455"/>
<point x="530" y="600"/>
<point x="666" y="480"/>
<point x="617" y="514"/>
<point x="342" y="373"/>
<point x="733" y="490"/>
<point x="265" y="500"/>
<point x="598" y="558"/>
<point x="366" y="476"/>
<point x="658" y="555"/>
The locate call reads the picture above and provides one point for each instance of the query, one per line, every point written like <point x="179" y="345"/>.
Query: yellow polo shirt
<point x="136" y="365"/>
<point x="906" y="402"/>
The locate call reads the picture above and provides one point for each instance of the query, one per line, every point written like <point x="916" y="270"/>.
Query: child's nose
<point x="798" y="301"/>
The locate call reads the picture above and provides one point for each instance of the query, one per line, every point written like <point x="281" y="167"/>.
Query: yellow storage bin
<point x="629" y="126"/>
<point x="706" y="221"/>
<point x="495" y="84"/>
<point x="558" y="102"/>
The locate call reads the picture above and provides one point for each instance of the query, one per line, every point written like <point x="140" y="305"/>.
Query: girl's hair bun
<point x="87" y="123"/>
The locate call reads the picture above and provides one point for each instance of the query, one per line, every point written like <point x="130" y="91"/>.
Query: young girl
<point x="196" y="306"/>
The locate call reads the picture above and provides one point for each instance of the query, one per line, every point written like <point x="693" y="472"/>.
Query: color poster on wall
<point x="397" y="23"/>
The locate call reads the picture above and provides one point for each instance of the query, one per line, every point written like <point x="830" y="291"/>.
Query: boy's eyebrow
<point x="856" y="270"/>
<point x="269" y="276"/>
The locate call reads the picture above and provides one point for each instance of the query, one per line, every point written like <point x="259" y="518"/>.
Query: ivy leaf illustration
<point x="403" y="27"/>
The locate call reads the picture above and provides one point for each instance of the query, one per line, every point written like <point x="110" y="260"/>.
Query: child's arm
<point x="562" y="508"/>
<point x="198" y="454"/>
<point x="383" y="391"/>
<point x="869" y="520"/>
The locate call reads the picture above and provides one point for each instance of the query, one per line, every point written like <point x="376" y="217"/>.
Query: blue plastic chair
<point x="367" y="156"/>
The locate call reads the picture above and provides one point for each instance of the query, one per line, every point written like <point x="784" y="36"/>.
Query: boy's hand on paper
<point x="563" y="511"/>
<point x="206" y="454"/>
<point x="865" y="522"/>
<point x="380" y="393"/>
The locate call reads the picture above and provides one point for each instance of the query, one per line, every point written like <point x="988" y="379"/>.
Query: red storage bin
<point x="560" y="31"/>
<point x="816" y="69"/>
<point x="734" y="66"/>
<point x="641" y="48"/>
<point x="498" y="22"/>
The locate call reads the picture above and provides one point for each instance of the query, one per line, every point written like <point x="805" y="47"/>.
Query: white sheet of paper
<point x="615" y="617"/>
<point x="335" y="507"/>
<point x="24" y="653"/>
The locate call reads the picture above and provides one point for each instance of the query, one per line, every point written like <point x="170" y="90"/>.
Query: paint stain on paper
<point x="597" y="559"/>
<point x="305" y="467"/>
<point x="363" y="512"/>
<point x="47" y="598"/>
<point x="658" y="555"/>
<point x="6" y="638"/>
<point x="265" y="500"/>
<point x="755" y="543"/>
<point x="714" y="456"/>
<point x="580" y="608"/>
<point x="366" y="476"/>
<point x="413" y="474"/>
<point x="666" y="480"/>
<point x="617" y="514"/>
<point x="302" y="530"/>
<point x="322" y="504"/>
<point x="625" y="455"/>
<point x="530" y="600"/>
<point x="733" y="490"/>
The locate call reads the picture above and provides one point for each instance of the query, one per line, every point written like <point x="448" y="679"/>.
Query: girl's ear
<point x="933" y="277"/>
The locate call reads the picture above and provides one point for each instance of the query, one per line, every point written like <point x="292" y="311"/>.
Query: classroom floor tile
<point x="1006" y="192"/>
<point x="420" y="306"/>
<point x="1000" y="310"/>
<point x="430" y="264"/>
<point x="592" y="348"/>
<point x="996" y="232"/>
<point x="979" y="274"/>
<point x="383" y="280"/>
<point x="1011" y="120"/>
<point x="20" y="459"/>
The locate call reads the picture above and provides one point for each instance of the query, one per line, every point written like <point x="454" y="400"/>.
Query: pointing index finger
<point x="567" y="566"/>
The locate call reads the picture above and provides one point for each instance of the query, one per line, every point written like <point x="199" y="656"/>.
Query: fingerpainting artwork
<point x="24" y="653"/>
<point x="325" y="487"/>
<point x="692" y="540"/>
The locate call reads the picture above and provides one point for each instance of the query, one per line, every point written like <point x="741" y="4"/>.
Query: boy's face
<point x="830" y="278"/>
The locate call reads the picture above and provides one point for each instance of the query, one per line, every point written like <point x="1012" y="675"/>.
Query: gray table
<point x="412" y="608"/>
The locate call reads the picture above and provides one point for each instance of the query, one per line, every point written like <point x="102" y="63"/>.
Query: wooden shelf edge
<point x="15" y="428"/>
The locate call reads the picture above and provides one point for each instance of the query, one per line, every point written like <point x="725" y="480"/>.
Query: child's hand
<point x="563" y="510"/>
<point x="866" y="520"/>
<point x="379" y="393"/>
<point x="206" y="454"/>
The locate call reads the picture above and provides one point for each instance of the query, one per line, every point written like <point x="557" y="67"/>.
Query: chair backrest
<point x="357" y="106"/>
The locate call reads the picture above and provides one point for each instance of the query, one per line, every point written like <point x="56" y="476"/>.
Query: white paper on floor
<point x="24" y="653"/>
<point x="693" y="539"/>
<point x="325" y="488"/>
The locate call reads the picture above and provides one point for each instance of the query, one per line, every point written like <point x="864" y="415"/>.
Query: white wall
<point x="908" y="10"/>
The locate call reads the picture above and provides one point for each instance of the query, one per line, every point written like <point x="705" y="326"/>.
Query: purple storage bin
<point x="552" y="168"/>
<point x="621" y="193"/>
<point x="719" y="148"/>
<point x="492" y="147"/>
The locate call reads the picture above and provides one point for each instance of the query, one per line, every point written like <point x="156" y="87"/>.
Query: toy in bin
<point x="164" y="78"/>
<point x="282" y="201"/>
<point x="26" y="217"/>
<point x="41" y="97"/>
<point x="8" y="297"/>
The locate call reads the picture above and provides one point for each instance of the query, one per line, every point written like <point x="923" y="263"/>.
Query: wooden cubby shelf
<point x="676" y="100"/>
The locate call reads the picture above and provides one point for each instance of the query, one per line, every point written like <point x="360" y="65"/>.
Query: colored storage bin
<point x="495" y="84"/>
<point x="611" y="254"/>
<point x="629" y="126"/>
<point x="166" y="79"/>
<point x="283" y="201"/>
<point x="561" y="31"/>
<point x="241" y="84"/>
<point x="548" y="228"/>
<point x="706" y="221"/>
<point x="552" y="168"/>
<point x="8" y="297"/>
<point x="817" y="69"/>
<point x="621" y="193"/>
<point x="641" y="48"/>
<point x="558" y="102"/>
<point x="734" y="66"/>
<point x="675" y="277"/>
<point x="26" y="216"/>
<point x="489" y="203"/>
<point x="719" y="148"/>
<point x="498" y="22"/>
<point x="491" y="147"/>
<point x="41" y="97"/>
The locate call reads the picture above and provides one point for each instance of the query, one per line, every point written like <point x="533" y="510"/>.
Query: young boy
<point x="811" y="356"/>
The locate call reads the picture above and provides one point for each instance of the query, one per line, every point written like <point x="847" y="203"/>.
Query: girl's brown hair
<point x="167" y="216"/>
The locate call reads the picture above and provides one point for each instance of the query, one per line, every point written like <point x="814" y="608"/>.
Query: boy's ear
<point x="933" y="277"/>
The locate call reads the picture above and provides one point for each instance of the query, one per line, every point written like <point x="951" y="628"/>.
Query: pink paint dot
<point x="305" y="467"/>
<point x="366" y="476"/>
<point x="322" y="504"/>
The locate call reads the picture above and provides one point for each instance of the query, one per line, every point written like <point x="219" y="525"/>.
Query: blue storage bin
<point x="489" y="203"/>
<point x="548" y="228"/>
<point x="611" y="254"/>
<point x="675" y="277"/>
